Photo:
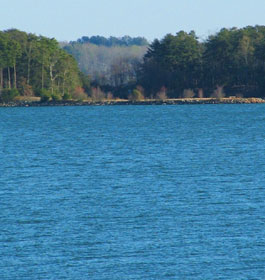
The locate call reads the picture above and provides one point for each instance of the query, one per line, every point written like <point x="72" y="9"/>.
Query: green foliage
<point x="112" y="41"/>
<point x="56" y="97"/>
<point x="8" y="95"/>
<point x="136" y="95"/>
<point x="174" y="62"/>
<point x="86" y="85"/>
<point x="35" y="63"/>
<point x="232" y="57"/>
<point x="45" y="95"/>
<point x="66" y="96"/>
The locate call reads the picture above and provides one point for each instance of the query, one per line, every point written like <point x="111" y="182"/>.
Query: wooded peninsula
<point x="227" y="67"/>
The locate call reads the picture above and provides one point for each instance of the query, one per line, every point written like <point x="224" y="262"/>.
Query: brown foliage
<point x="79" y="94"/>
<point x="110" y="96"/>
<point x="26" y="90"/>
<point x="162" y="94"/>
<point x="188" y="93"/>
<point x="200" y="93"/>
<point x="218" y="92"/>
<point x="97" y="94"/>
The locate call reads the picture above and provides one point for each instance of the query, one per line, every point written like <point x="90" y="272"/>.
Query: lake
<point x="132" y="192"/>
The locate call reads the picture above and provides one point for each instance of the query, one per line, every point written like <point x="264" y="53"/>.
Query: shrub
<point x="200" y="93"/>
<point x="97" y="94"/>
<point x="25" y="89"/>
<point x="218" y="92"/>
<point x="8" y="95"/>
<point x="79" y="94"/>
<point x="188" y="93"/>
<point x="56" y="97"/>
<point x="162" y="94"/>
<point x="66" y="96"/>
<point x="45" y="95"/>
<point x="110" y="96"/>
<point x="136" y="95"/>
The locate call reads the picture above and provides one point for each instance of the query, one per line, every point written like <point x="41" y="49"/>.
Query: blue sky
<point x="71" y="19"/>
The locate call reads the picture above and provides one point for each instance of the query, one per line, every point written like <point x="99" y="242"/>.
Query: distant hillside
<point x="108" y="61"/>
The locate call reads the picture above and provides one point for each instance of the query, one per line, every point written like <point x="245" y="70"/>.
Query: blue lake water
<point x="132" y="192"/>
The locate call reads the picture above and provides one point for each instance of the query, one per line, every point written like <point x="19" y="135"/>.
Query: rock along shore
<point x="187" y="101"/>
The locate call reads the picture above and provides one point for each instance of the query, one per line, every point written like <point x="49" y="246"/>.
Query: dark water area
<point x="132" y="192"/>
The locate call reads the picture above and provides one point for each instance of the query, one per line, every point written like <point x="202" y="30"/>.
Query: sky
<point x="68" y="20"/>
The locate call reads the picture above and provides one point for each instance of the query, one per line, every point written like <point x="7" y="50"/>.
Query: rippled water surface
<point x="132" y="192"/>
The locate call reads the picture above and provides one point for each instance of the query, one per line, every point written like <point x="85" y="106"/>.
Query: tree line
<point x="112" y="41"/>
<point x="33" y="65"/>
<point x="113" y="66"/>
<point x="230" y="62"/>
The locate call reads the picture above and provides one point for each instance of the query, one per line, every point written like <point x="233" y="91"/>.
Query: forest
<point x="33" y="65"/>
<point x="230" y="62"/>
<point x="111" y="63"/>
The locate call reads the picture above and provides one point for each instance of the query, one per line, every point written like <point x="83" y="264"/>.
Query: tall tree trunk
<point x="28" y="77"/>
<point x="42" y="76"/>
<point x="9" y="77"/>
<point x="29" y="60"/>
<point x="51" y="77"/>
<point x="64" y="73"/>
<point x="63" y="85"/>
<point x="1" y="78"/>
<point x="15" y="76"/>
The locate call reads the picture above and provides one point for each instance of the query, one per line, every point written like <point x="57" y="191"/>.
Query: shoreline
<point x="186" y="101"/>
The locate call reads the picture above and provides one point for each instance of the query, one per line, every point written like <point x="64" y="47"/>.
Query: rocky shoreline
<point x="187" y="101"/>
